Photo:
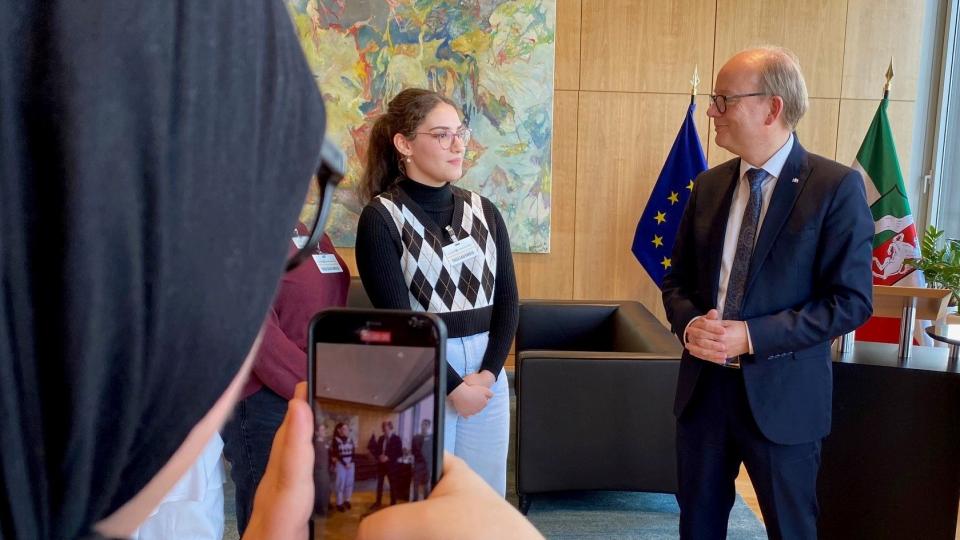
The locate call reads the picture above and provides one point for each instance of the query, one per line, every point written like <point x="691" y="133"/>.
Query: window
<point x="946" y="195"/>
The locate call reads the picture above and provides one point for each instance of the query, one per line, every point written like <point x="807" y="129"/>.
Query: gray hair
<point x="780" y="75"/>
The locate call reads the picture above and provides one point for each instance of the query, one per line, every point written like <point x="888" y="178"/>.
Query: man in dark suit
<point x="387" y="450"/>
<point x="771" y="261"/>
<point x="393" y="451"/>
<point x="422" y="450"/>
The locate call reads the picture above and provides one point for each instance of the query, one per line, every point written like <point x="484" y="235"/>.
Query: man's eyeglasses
<point x="720" y="101"/>
<point x="317" y="207"/>
<point x="445" y="138"/>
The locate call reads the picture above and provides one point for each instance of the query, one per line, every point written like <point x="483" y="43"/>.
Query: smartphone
<point x="377" y="383"/>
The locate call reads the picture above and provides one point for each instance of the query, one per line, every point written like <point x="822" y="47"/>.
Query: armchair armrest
<point x="636" y="329"/>
<point x="357" y="295"/>
<point x="592" y="326"/>
<point x="563" y="325"/>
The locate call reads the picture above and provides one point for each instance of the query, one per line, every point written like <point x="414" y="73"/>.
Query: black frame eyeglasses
<point x="329" y="174"/>
<point x="463" y="134"/>
<point x="720" y="100"/>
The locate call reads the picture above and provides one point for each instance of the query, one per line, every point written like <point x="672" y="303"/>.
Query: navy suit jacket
<point x="809" y="281"/>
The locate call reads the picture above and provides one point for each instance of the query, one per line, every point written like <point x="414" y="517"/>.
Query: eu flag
<point x="657" y="229"/>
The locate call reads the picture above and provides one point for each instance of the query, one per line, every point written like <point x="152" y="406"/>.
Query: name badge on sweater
<point x="460" y="251"/>
<point x="327" y="263"/>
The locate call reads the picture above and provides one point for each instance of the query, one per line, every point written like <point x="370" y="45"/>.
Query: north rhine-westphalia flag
<point x="895" y="235"/>
<point x="657" y="228"/>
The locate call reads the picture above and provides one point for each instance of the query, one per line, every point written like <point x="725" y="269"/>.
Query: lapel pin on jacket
<point x="796" y="180"/>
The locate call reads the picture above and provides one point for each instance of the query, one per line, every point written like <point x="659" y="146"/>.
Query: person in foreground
<point x="771" y="261"/>
<point x="150" y="174"/>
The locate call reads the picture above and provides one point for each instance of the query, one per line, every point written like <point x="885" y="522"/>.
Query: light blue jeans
<point x="482" y="439"/>
<point x="344" y="483"/>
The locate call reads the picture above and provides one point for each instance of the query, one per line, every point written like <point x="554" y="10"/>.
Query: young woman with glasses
<point x="426" y="245"/>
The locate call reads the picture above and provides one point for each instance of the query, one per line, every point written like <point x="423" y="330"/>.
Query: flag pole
<point x="845" y="343"/>
<point x="657" y="227"/>
<point x="694" y="83"/>
<point x="887" y="86"/>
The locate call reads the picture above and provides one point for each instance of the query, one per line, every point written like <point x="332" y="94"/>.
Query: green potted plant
<point x="940" y="265"/>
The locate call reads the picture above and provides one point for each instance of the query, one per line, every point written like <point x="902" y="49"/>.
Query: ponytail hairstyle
<point x="405" y="113"/>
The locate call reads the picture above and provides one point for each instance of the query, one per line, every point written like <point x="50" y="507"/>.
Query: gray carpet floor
<point x="622" y="515"/>
<point x="589" y="515"/>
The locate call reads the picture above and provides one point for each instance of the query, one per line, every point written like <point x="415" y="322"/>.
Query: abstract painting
<point x="493" y="57"/>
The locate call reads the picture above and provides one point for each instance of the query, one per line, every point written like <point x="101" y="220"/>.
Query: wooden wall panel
<point x="855" y="118"/>
<point x="623" y="141"/>
<point x="350" y="257"/>
<point x="622" y="77"/>
<point x="813" y="29"/>
<point x="567" y="75"/>
<point x="877" y="30"/>
<point x="817" y="131"/>
<point x="645" y="45"/>
<point x="551" y="275"/>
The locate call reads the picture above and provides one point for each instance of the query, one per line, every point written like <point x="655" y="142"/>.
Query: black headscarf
<point x="153" y="159"/>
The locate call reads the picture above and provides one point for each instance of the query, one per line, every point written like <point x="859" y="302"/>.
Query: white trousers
<point x="482" y="439"/>
<point x="344" y="482"/>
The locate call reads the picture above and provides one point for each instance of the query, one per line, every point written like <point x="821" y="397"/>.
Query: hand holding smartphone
<point x="376" y="384"/>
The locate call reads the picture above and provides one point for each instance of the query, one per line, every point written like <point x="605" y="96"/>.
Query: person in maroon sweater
<point x="318" y="283"/>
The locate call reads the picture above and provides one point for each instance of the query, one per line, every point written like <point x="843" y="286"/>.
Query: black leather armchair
<point x="595" y="383"/>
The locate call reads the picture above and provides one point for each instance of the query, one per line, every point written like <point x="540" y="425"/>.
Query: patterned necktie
<point x="741" y="260"/>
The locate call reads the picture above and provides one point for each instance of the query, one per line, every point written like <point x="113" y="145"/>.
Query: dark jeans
<point x="321" y="479"/>
<point x="247" y="439"/>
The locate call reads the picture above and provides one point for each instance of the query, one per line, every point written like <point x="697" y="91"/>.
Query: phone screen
<point x="377" y="417"/>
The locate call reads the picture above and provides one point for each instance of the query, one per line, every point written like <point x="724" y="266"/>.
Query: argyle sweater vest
<point x="434" y="283"/>
<point x="343" y="449"/>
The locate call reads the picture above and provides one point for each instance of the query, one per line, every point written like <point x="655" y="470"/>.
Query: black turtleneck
<point x="378" y="260"/>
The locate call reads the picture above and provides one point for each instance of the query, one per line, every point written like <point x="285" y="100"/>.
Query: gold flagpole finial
<point x="887" y="86"/>
<point x="694" y="82"/>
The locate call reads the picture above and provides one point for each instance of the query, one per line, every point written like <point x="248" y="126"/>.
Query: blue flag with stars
<point x="657" y="229"/>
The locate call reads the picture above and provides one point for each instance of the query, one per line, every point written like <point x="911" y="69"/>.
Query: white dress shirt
<point x="193" y="509"/>
<point x="773" y="167"/>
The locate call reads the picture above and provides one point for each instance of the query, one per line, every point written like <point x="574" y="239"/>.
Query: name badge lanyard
<point x="453" y="234"/>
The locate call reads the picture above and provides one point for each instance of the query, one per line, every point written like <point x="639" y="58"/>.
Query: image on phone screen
<point x="375" y="418"/>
